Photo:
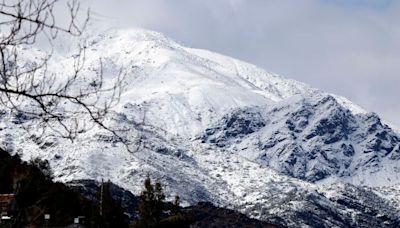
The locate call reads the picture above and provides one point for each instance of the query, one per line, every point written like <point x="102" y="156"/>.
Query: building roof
<point x="6" y="198"/>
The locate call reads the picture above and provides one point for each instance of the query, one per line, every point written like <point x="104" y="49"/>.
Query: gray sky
<point x="347" y="47"/>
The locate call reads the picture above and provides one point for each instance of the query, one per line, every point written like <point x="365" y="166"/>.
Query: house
<point x="7" y="203"/>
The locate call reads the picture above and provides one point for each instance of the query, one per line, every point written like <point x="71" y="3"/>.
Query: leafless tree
<point x="30" y="90"/>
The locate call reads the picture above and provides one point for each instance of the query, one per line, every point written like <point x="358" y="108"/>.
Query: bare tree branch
<point x="54" y="100"/>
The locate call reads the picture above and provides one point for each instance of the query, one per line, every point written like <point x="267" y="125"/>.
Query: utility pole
<point x="101" y="197"/>
<point x="46" y="220"/>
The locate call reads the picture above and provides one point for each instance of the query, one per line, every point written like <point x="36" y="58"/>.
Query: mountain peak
<point x="214" y="128"/>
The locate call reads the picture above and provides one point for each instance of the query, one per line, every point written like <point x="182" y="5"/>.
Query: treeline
<point x="154" y="212"/>
<point x="36" y="195"/>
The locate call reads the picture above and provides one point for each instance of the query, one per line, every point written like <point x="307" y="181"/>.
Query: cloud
<point x="348" y="47"/>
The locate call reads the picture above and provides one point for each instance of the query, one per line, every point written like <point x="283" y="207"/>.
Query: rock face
<point x="216" y="129"/>
<point x="234" y="125"/>
<point x="310" y="139"/>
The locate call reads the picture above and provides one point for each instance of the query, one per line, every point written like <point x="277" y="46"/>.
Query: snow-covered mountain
<point x="217" y="129"/>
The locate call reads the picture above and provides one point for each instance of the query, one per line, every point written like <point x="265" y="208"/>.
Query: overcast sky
<point x="347" y="47"/>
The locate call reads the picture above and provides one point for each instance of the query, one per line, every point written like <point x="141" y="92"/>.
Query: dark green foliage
<point x="112" y="214"/>
<point x="159" y="198"/>
<point x="151" y="209"/>
<point x="176" y="206"/>
<point x="43" y="166"/>
<point x="151" y="205"/>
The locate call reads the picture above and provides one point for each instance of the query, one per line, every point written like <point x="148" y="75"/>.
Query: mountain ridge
<point x="217" y="129"/>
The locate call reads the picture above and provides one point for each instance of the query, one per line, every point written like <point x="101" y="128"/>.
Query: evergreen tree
<point x="160" y="197"/>
<point x="111" y="214"/>
<point x="176" y="205"/>
<point x="151" y="205"/>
